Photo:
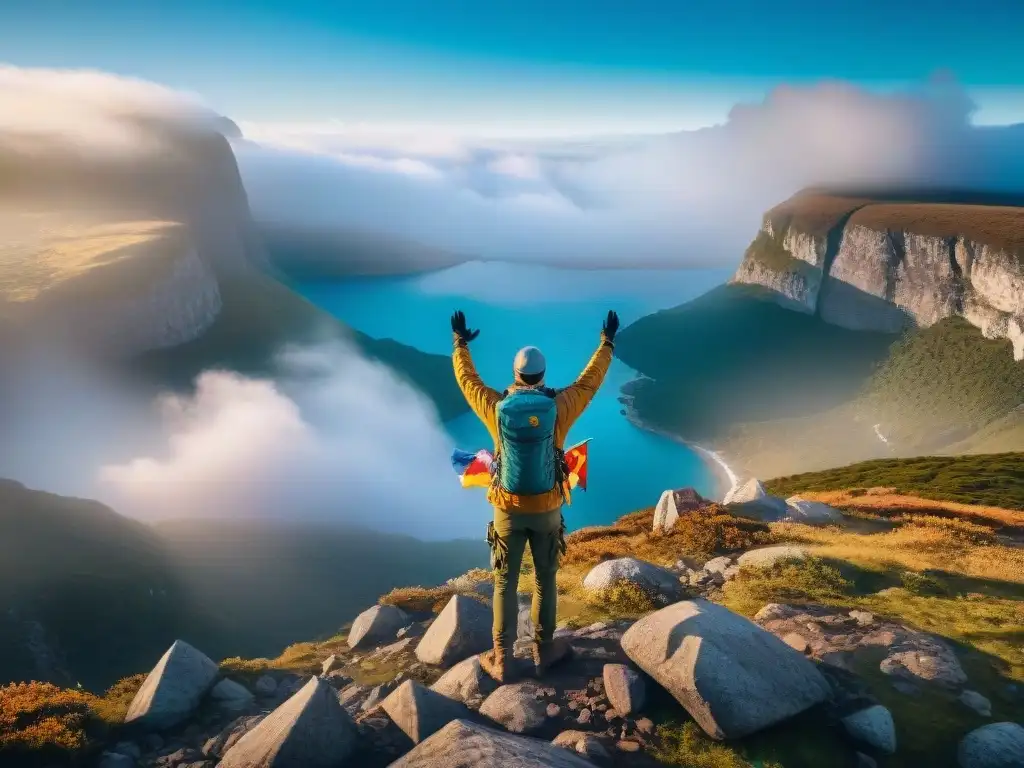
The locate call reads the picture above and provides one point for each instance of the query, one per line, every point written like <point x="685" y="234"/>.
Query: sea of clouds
<point x="337" y="436"/>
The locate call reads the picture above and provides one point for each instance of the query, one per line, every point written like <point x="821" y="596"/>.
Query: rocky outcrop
<point x="886" y="266"/>
<point x="674" y="503"/>
<point x="752" y="500"/>
<point x="421" y="712"/>
<point x="173" y="689"/>
<point x="733" y="677"/>
<point x="310" y="729"/>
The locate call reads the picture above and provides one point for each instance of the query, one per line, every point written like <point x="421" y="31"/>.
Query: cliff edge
<point x="889" y="262"/>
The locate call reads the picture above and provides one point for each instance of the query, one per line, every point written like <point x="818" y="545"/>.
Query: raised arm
<point x="574" y="399"/>
<point x="482" y="399"/>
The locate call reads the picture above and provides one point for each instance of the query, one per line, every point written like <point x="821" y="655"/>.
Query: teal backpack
<point x="527" y="461"/>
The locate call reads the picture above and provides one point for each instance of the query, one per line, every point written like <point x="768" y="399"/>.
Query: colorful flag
<point x="474" y="469"/>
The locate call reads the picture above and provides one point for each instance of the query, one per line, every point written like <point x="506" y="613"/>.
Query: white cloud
<point x="335" y="437"/>
<point x="93" y="111"/>
<point x="682" y="199"/>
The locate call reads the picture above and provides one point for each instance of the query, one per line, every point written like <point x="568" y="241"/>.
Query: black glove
<point x="459" y="327"/>
<point x="611" y="326"/>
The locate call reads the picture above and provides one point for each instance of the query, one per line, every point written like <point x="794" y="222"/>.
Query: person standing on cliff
<point x="529" y="424"/>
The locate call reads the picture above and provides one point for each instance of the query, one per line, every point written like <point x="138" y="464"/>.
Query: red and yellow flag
<point x="474" y="469"/>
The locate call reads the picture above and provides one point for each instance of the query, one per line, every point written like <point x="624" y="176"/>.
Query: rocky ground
<point x="675" y="677"/>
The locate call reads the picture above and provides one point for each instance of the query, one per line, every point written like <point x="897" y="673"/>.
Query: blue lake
<point x="560" y="311"/>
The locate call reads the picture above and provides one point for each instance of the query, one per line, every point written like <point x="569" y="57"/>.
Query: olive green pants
<point x="508" y="536"/>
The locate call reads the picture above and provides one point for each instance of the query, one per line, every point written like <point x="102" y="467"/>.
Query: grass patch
<point x="43" y="724"/>
<point x="994" y="480"/>
<point x="796" y="581"/>
<point x="941" y="384"/>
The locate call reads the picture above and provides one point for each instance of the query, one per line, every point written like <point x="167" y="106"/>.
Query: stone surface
<point x="733" y="677"/>
<point x="873" y="726"/>
<point x="216" y="746"/>
<point x="674" y="503"/>
<point x="750" y="499"/>
<point x="977" y="702"/>
<point x="266" y="686"/>
<point x="461" y="630"/>
<point x="331" y="663"/>
<point x="462" y="744"/>
<point x="835" y="637"/>
<point x="625" y="688"/>
<point x="420" y="712"/>
<point x="998" y="745"/>
<point x="232" y="695"/>
<point x="800" y="510"/>
<point x="173" y="689"/>
<point x="310" y="729"/>
<point x="657" y="582"/>
<point x="376" y="625"/>
<point x="582" y="743"/>
<point x="768" y="556"/>
<point x="465" y="681"/>
<point x="517" y="707"/>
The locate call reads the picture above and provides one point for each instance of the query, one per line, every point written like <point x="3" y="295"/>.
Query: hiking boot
<point x="547" y="655"/>
<point x="498" y="664"/>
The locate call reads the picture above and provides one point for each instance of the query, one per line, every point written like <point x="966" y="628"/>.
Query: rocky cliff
<point x="123" y="253"/>
<point x="887" y="264"/>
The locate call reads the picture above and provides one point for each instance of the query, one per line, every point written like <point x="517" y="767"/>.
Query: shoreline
<point x="725" y="478"/>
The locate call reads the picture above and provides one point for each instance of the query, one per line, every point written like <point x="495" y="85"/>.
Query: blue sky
<point x="560" y="66"/>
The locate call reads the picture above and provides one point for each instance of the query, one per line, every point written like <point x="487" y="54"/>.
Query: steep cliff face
<point x="886" y="265"/>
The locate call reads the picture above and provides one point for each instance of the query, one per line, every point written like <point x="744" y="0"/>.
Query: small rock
<point x="376" y="625"/>
<point x="977" y="702"/>
<point x="465" y="680"/>
<point x="873" y="726"/>
<point x="862" y="617"/>
<point x="516" y="707"/>
<point x="584" y="716"/>
<point x="573" y="705"/>
<point x="554" y="710"/>
<point x="231" y="695"/>
<point x="173" y="689"/>
<point x="421" y="712"/>
<point x="627" y="745"/>
<point x="645" y="725"/>
<point x="330" y="664"/>
<point x="626" y="689"/>
<point x="718" y="564"/>
<point x="582" y="743"/>
<point x="796" y="641"/>
<point x="937" y="664"/>
<point x="266" y="686"/>
<point x="997" y="745"/>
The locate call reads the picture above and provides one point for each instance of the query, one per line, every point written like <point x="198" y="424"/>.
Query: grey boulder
<point x="461" y="630"/>
<point x="517" y="707"/>
<point x="462" y="744"/>
<point x="873" y="726"/>
<point x="800" y="510"/>
<point x="231" y="695"/>
<point x="173" y="689"/>
<point x="998" y="745"/>
<point x="310" y="729"/>
<point x="377" y="625"/>
<point x="657" y="582"/>
<point x="421" y="712"/>
<point x="733" y="677"/>
<point x="582" y="743"/>
<point x="465" y="681"/>
<point x="750" y="499"/>
<point x="625" y="689"/>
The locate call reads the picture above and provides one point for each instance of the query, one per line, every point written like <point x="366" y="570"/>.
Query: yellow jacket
<point x="570" y="403"/>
